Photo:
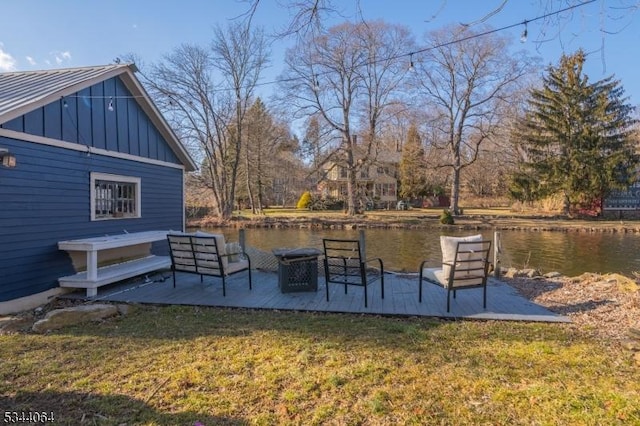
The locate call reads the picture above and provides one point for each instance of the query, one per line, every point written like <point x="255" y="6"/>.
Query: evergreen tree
<point x="412" y="166"/>
<point x="576" y="136"/>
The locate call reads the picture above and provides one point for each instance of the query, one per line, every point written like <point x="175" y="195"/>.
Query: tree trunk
<point x="566" y="203"/>
<point x="455" y="184"/>
<point x="260" y="197"/>
<point x="250" y="195"/>
<point x="455" y="192"/>
<point x="258" y="209"/>
<point x="351" y="178"/>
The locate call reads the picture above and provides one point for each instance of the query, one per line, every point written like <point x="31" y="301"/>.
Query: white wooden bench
<point x="95" y="276"/>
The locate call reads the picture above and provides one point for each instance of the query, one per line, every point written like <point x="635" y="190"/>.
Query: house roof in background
<point x="24" y="91"/>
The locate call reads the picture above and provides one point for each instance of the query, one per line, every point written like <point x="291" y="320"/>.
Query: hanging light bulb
<point x="523" y="37"/>
<point x="65" y="104"/>
<point x="411" y="67"/>
<point x="110" y="107"/>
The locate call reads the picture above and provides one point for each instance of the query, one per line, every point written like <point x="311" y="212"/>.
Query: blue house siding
<point x="84" y="118"/>
<point x="46" y="199"/>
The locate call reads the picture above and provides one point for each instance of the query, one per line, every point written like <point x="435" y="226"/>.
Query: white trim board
<point x="12" y="134"/>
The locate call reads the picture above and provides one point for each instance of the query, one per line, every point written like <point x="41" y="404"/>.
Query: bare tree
<point x="183" y="86"/>
<point x="465" y="81"/>
<point x="307" y="15"/>
<point x="346" y="76"/>
<point x="205" y="93"/>
<point x="383" y="75"/>
<point x="266" y="140"/>
<point x="240" y="55"/>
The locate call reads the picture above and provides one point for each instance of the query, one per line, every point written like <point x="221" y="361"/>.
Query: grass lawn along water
<point x="182" y="365"/>
<point x="473" y="219"/>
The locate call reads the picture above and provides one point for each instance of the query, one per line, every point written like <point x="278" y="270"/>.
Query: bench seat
<point x="114" y="273"/>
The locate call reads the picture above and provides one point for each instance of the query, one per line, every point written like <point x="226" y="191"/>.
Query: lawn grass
<point x="180" y="365"/>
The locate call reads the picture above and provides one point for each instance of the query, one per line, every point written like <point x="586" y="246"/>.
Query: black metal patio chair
<point x="344" y="263"/>
<point x="206" y="254"/>
<point x="465" y="265"/>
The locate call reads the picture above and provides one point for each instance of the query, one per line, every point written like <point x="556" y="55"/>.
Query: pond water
<point x="570" y="253"/>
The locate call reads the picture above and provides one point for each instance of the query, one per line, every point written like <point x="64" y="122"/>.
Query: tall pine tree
<point x="577" y="138"/>
<point x="412" y="166"/>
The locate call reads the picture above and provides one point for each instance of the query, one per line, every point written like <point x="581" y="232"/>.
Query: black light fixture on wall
<point x="6" y="158"/>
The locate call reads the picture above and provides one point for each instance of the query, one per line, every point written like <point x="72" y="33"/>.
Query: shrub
<point x="304" y="201"/>
<point x="446" y="218"/>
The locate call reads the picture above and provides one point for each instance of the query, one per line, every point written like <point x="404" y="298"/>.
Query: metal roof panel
<point x="25" y="91"/>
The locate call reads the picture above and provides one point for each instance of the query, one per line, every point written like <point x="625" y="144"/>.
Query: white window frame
<point x="136" y="181"/>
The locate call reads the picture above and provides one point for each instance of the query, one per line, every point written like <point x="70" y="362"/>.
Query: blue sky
<point x="44" y="34"/>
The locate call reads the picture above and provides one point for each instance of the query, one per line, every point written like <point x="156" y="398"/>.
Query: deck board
<point x="401" y="297"/>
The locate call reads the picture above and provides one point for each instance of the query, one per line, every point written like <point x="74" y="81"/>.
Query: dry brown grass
<point x="181" y="365"/>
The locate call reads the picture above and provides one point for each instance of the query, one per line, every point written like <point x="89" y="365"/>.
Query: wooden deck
<point x="401" y="297"/>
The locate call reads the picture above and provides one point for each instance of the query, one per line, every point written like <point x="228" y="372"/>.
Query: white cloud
<point x="30" y="60"/>
<point x="7" y="62"/>
<point x="60" y="57"/>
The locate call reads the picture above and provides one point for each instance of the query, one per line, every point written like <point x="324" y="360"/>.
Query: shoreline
<point x="471" y="223"/>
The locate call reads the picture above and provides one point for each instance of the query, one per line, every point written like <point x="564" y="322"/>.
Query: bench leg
<point x="92" y="292"/>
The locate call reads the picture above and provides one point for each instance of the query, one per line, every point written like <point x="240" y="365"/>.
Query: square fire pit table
<point x="297" y="269"/>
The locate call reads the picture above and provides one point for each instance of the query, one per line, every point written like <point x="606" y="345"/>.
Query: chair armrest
<point x="379" y="261"/>
<point x="240" y="254"/>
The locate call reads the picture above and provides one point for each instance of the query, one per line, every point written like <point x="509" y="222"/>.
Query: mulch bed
<point x="603" y="306"/>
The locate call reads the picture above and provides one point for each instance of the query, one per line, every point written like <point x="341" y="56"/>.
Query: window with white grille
<point x="114" y="196"/>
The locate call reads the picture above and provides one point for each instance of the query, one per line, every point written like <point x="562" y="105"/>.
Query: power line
<point x="410" y="55"/>
<point x="525" y="22"/>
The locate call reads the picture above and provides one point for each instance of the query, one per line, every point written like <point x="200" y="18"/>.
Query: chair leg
<point x="326" y="285"/>
<point x="366" y="298"/>
<point x="448" y="299"/>
<point x="250" y="286"/>
<point x="484" y="297"/>
<point x="174" y="278"/>
<point x="224" y="287"/>
<point x="420" y="287"/>
<point x="326" y="276"/>
<point x="382" y="284"/>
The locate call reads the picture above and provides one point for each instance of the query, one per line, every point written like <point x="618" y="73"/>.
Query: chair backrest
<point x="343" y="258"/>
<point x="208" y="252"/>
<point x="181" y="253"/>
<point x="471" y="265"/>
<point x="202" y="254"/>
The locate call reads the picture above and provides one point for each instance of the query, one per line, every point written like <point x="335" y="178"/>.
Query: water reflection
<point x="570" y="253"/>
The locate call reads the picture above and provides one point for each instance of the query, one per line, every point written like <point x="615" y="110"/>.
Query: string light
<point x="463" y="39"/>
<point x="110" y="105"/>
<point x="316" y="85"/>
<point x="523" y="37"/>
